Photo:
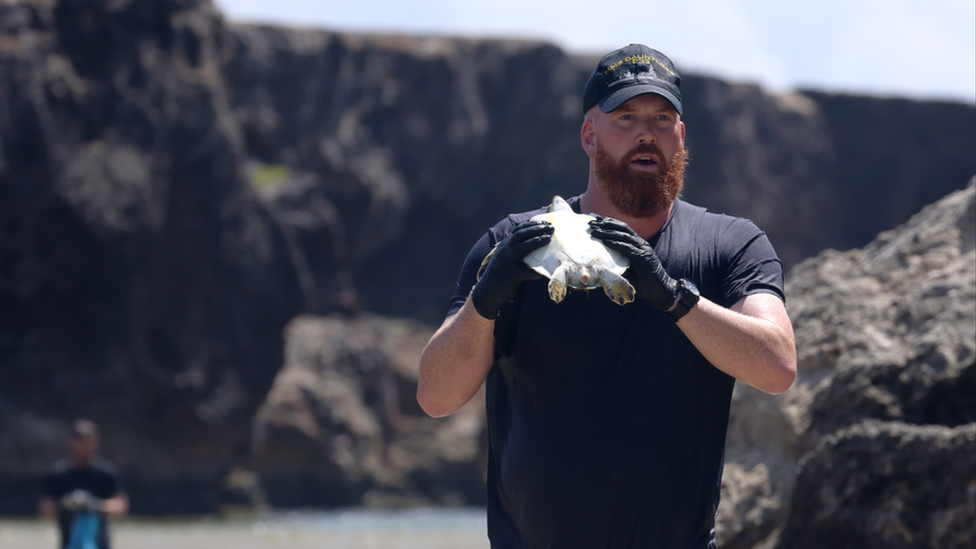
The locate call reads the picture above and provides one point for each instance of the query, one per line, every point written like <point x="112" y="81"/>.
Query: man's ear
<point x="588" y="137"/>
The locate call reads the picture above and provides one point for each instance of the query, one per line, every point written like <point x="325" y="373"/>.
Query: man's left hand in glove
<point x="647" y="274"/>
<point x="81" y="500"/>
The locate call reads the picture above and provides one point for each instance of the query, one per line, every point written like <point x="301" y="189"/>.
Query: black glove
<point x="80" y="500"/>
<point x="646" y="273"/>
<point x="503" y="270"/>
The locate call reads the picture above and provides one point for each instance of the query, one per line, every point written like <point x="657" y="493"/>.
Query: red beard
<point x="640" y="194"/>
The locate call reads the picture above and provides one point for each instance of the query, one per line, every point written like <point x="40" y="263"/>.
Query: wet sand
<point x="413" y="529"/>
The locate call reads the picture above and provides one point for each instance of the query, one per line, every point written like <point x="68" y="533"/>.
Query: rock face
<point x="423" y="143"/>
<point x="882" y="417"/>
<point x="341" y="424"/>
<point x="887" y="485"/>
<point x="176" y="190"/>
<point x="144" y="283"/>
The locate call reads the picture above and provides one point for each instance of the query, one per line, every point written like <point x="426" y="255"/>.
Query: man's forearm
<point x="455" y="362"/>
<point x="752" y="342"/>
<point x="46" y="507"/>
<point x="115" y="506"/>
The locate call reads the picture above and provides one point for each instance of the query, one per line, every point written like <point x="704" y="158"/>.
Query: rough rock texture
<point x="425" y="142"/>
<point x="341" y="425"/>
<point x="174" y="190"/>
<point x="143" y="282"/>
<point x="887" y="485"/>
<point x="422" y="142"/>
<point x="115" y="256"/>
<point x="885" y="333"/>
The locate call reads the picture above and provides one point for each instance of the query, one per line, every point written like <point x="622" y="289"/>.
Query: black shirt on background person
<point x="83" y="490"/>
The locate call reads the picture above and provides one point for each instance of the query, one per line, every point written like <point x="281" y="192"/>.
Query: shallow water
<point x="351" y="529"/>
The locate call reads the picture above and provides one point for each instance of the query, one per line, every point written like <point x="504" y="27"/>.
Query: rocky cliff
<point x="875" y="444"/>
<point x="144" y="284"/>
<point x="425" y="142"/>
<point x="176" y="192"/>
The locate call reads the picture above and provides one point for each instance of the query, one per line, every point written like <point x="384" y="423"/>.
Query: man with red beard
<point x="607" y="423"/>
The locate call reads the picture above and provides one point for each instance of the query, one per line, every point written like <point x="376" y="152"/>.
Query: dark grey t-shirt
<point x="607" y="427"/>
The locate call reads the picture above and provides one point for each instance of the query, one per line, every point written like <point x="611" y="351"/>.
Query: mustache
<point x="646" y="148"/>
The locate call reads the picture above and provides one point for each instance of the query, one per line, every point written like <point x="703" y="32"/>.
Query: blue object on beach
<point x="84" y="531"/>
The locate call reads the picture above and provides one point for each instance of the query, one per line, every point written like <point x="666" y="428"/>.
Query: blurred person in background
<point x="83" y="491"/>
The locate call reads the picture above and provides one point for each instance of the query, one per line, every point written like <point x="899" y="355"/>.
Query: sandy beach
<point x="356" y="529"/>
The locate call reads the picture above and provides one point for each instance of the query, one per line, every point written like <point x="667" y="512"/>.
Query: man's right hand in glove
<point x="504" y="269"/>
<point x="458" y="356"/>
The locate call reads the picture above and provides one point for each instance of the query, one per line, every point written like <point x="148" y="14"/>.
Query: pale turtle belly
<point x="575" y="259"/>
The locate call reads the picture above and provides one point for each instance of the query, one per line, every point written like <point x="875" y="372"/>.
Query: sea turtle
<point x="574" y="259"/>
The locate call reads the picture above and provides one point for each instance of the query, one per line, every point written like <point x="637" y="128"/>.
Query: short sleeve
<point x="52" y="487"/>
<point x="114" y="484"/>
<point x="753" y="265"/>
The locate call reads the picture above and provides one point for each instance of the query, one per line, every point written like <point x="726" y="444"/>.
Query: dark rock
<point x="425" y="142"/>
<point x="914" y="393"/>
<point x="175" y="190"/>
<point x="887" y="333"/>
<point x="895" y="329"/>
<point x="341" y="425"/>
<point x="144" y="284"/>
<point x="886" y="485"/>
<point x="312" y="236"/>
<point x="421" y="142"/>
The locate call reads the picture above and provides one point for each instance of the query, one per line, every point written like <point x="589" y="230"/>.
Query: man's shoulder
<point x="687" y="211"/>
<point x="104" y="466"/>
<point x="96" y="466"/>
<point x="691" y="217"/>
<point x="515" y="218"/>
<point x="59" y="467"/>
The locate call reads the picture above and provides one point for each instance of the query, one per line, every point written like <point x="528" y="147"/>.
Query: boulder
<point x="886" y="484"/>
<point x="341" y="424"/>
<point x="886" y="333"/>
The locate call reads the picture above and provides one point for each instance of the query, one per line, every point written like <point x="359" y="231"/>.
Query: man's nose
<point x="646" y="132"/>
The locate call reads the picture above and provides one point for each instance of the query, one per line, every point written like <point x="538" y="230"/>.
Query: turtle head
<point x="558" y="204"/>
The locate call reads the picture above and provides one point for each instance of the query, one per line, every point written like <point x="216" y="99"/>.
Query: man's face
<point x="82" y="448"/>
<point x="639" y="155"/>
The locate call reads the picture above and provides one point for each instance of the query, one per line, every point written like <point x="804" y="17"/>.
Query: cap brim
<point x="619" y="97"/>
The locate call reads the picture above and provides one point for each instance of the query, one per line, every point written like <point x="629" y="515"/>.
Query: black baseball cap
<point x="628" y="72"/>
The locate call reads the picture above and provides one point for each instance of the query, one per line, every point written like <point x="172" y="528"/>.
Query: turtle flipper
<point x="558" y="283"/>
<point x="617" y="288"/>
<point x="484" y="263"/>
